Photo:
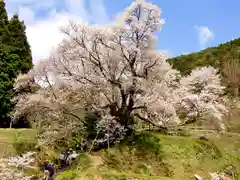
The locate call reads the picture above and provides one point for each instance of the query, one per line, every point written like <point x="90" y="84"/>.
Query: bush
<point x="91" y="119"/>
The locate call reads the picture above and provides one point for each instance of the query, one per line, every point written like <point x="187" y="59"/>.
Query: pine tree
<point x="20" y="44"/>
<point x="3" y="14"/>
<point x="8" y="65"/>
<point x="15" y="58"/>
<point x="4" y="33"/>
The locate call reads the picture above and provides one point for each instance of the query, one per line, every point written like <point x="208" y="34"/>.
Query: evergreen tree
<point x="3" y="14"/>
<point x="8" y="65"/>
<point x="20" y="43"/>
<point x="15" y="58"/>
<point x="4" y="33"/>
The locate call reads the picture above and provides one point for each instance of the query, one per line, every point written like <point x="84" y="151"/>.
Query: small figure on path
<point x="84" y="145"/>
<point x="48" y="171"/>
<point x="62" y="160"/>
<point x="72" y="157"/>
<point x="65" y="159"/>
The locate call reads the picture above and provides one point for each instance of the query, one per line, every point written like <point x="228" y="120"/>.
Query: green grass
<point x="157" y="156"/>
<point x="10" y="137"/>
<point x="147" y="156"/>
<point x="188" y="156"/>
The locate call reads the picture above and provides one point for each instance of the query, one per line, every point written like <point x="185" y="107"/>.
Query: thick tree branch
<point x="150" y="122"/>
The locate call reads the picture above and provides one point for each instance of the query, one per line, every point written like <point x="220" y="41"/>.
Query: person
<point x="67" y="159"/>
<point x="72" y="157"/>
<point x="48" y="171"/>
<point x="84" y="145"/>
<point x="62" y="160"/>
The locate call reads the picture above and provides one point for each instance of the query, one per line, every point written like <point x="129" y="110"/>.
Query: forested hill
<point x="225" y="57"/>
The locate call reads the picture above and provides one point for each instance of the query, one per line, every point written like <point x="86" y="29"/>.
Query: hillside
<point x="152" y="156"/>
<point x="156" y="156"/>
<point x="225" y="57"/>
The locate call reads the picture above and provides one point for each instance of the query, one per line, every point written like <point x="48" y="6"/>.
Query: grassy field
<point x="13" y="139"/>
<point x="156" y="156"/>
<point x="150" y="156"/>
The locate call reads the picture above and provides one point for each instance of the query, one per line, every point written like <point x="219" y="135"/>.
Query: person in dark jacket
<point x="50" y="171"/>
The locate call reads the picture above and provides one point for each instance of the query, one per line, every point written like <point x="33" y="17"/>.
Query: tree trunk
<point x="11" y="122"/>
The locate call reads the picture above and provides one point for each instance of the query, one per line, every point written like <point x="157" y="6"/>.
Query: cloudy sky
<point x="190" y="25"/>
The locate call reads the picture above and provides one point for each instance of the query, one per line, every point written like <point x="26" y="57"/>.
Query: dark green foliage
<point x="4" y="33"/>
<point x="225" y="57"/>
<point x="3" y="14"/>
<point x="145" y="140"/>
<point x="74" y="141"/>
<point x="15" y="58"/>
<point x="19" y="42"/>
<point x="91" y="119"/>
<point x="8" y="65"/>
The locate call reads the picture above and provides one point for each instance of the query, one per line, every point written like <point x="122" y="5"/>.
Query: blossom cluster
<point x="112" y="129"/>
<point x="12" y="167"/>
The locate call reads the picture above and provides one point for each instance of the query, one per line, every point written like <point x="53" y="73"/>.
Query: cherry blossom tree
<point x="117" y="71"/>
<point x="13" y="167"/>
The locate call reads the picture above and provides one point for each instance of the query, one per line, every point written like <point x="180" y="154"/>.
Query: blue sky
<point x="190" y="25"/>
<point x="179" y="34"/>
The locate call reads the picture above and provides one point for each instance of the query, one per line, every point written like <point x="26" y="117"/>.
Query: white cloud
<point x="44" y="34"/>
<point x="26" y="14"/>
<point x="14" y="4"/>
<point x="77" y="7"/>
<point x="98" y="11"/>
<point x="205" y="36"/>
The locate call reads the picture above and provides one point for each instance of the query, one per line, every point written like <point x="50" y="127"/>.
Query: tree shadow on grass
<point x="140" y="153"/>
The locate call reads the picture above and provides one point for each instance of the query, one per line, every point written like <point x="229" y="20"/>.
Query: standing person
<point x="84" y="145"/>
<point x="62" y="160"/>
<point x="48" y="171"/>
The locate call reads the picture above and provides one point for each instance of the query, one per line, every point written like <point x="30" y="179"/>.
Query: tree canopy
<point x="118" y="72"/>
<point x="225" y="57"/>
